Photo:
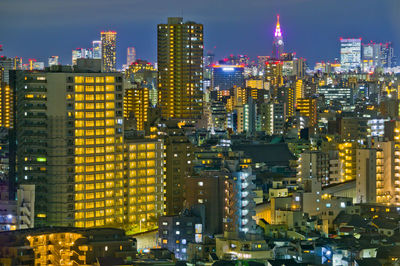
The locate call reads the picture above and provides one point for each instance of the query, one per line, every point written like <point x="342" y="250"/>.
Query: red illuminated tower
<point x="277" y="44"/>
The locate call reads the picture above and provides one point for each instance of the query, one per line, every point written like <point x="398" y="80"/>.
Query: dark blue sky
<point x="40" y="28"/>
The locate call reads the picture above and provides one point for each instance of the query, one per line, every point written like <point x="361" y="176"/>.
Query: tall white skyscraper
<point x="96" y="45"/>
<point x="130" y="56"/>
<point x="53" y="60"/>
<point x="350" y="53"/>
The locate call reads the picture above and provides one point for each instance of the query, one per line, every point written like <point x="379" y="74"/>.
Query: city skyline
<point x="229" y="35"/>
<point x="199" y="133"/>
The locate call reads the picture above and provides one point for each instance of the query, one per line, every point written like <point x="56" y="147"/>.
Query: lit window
<point x="79" y="79"/>
<point x="110" y="79"/>
<point x="110" y="87"/>
<point x="89" y="80"/>
<point x="79" y="88"/>
<point x="89" y="89"/>
<point x="99" y="97"/>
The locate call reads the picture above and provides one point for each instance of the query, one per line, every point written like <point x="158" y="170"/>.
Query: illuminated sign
<point x="228" y="69"/>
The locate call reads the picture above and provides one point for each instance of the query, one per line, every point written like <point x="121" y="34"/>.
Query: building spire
<point x="278" y="28"/>
<point x="277" y="46"/>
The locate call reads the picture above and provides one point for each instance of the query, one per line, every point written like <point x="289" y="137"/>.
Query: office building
<point x="387" y="55"/>
<point x="226" y="77"/>
<point x="53" y="61"/>
<point x="371" y="56"/>
<point x="96" y="47"/>
<point x="350" y="54"/>
<point x="180" y="69"/>
<point x="108" y="51"/>
<point x="130" y="56"/>
<point x="277" y="45"/>
<point x="79" y="53"/>
<point x="332" y="95"/>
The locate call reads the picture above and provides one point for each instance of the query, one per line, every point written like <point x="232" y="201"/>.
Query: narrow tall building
<point x="180" y="68"/>
<point x="136" y="104"/>
<point x="6" y="105"/>
<point x="130" y="56"/>
<point x="277" y="44"/>
<point x="96" y="47"/>
<point x="108" y="51"/>
<point x="350" y="53"/>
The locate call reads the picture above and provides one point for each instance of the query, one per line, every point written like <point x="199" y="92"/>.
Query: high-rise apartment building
<point x="272" y="117"/>
<point x="178" y="164"/>
<point x="108" y="51"/>
<point x="71" y="146"/>
<point x="180" y="68"/>
<point x="130" y="56"/>
<point x="273" y="75"/>
<point x="350" y="53"/>
<point x="371" y="56"/>
<point x="308" y="108"/>
<point x="347" y="160"/>
<point x="96" y="47"/>
<point x="144" y="181"/>
<point x="136" y="104"/>
<point x="313" y="164"/>
<point x="239" y="202"/>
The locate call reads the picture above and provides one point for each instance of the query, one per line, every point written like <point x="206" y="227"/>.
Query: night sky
<point x="311" y="28"/>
